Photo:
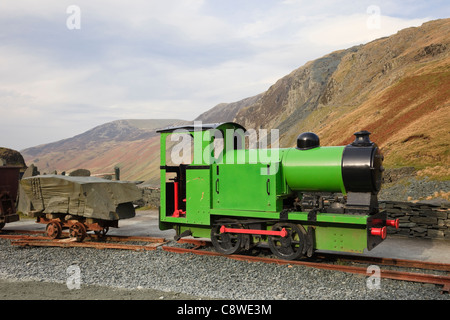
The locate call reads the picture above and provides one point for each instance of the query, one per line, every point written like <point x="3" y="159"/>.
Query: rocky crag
<point x="396" y="87"/>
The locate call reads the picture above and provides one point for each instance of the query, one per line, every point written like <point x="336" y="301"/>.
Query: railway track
<point x="37" y="238"/>
<point x="443" y="280"/>
<point x="92" y="241"/>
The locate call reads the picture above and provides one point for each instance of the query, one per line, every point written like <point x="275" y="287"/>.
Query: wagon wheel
<point x="226" y="243"/>
<point x="291" y="246"/>
<point x="53" y="230"/>
<point x="78" y="231"/>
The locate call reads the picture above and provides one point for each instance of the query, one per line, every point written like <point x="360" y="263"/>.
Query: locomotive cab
<point x="185" y="187"/>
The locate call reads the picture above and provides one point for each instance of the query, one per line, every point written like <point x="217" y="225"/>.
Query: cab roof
<point x="203" y="127"/>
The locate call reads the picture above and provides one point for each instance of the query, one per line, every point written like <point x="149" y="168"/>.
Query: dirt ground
<point x="35" y="290"/>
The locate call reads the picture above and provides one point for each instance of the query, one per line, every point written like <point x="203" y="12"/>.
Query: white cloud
<point x="160" y="59"/>
<point x="343" y="31"/>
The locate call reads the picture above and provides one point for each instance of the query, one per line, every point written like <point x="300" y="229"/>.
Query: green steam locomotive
<point x="298" y="200"/>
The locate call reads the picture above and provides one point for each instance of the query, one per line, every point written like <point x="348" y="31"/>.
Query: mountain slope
<point x="132" y="145"/>
<point x="396" y="87"/>
<point x="225" y="112"/>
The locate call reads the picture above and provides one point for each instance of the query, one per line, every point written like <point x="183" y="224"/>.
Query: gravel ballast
<point x="120" y="274"/>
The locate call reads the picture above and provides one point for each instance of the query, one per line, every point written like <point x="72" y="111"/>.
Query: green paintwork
<point x="346" y="238"/>
<point x="317" y="169"/>
<point x="198" y="231"/>
<point x="253" y="183"/>
<point x="234" y="181"/>
<point x="198" y="200"/>
<point x="162" y="177"/>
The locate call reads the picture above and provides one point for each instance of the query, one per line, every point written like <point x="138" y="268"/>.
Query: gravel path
<point x="42" y="273"/>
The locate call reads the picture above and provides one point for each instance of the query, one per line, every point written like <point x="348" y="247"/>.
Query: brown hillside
<point x="131" y="145"/>
<point x="396" y="87"/>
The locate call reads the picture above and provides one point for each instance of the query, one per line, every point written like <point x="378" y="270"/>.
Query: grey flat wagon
<point x="80" y="204"/>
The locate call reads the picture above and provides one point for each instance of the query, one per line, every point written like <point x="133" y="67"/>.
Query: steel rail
<point x="388" y="274"/>
<point x="8" y="231"/>
<point x="22" y="237"/>
<point x="24" y="240"/>
<point x="91" y="236"/>
<point x="97" y="245"/>
<point x="428" y="265"/>
<point x="30" y="240"/>
<point x="126" y="238"/>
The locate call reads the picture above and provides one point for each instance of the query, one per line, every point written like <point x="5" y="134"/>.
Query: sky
<point x="68" y="66"/>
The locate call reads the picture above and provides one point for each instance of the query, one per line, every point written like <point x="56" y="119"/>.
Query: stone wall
<point x="150" y="197"/>
<point x="420" y="219"/>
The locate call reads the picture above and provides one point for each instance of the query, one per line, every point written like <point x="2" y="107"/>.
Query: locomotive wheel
<point x="53" y="230"/>
<point x="291" y="246"/>
<point x="78" y="231"/>
<point x="225" y="243"/>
